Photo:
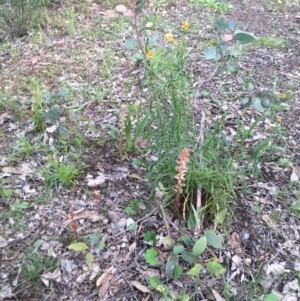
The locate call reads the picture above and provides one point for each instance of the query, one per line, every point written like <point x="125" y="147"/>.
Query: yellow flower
<point x="176" y="43"/>
<point x="185" y="25"/>
<point x="279" y="118"/>
<point x="169" y="37"/>
<point x="150" y="54"/>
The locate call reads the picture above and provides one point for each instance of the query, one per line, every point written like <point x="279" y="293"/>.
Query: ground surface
<point x="81" y="47"/>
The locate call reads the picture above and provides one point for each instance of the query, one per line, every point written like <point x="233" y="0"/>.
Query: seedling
<point x="97" y="243"/>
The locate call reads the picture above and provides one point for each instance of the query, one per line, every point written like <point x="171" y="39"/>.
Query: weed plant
<point x="19" y="15"/>
<point x="166" y="124"/>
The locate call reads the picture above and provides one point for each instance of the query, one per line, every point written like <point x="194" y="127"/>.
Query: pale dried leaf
<point x="100" y="179"/>
<point x="132" y="247"/>
<point x="96" y="269"/>
<point x="268" y="221"/>
<point x="51" y="129"/>
<point x="55" y="275"/>
<point x="6" y="292"/>
<point x="236" y="243"/>
<point x="294" y="177"/>
<point x="296" y="169"/>
<point x="3" y="242"/>
<point x="82" y="277"/>
<point x="56" y="57"/>
<point x="93" y="216"/>
<point x="121" y="8"/>
<point x="110" y="14"/>
<point x="140" y="287"/>
<point x="217" y="295"/>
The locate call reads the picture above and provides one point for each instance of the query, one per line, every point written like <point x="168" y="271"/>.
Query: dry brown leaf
<point x="90" y="215"/>
<point x="268" y="221"/>
<point x="104" y="282"/>
<point x="217" y="295"/>
<point x="35" y="59"/>
<point x="236" y="243"/>
<point x="140" y="287"/>
<point x="56" y="57"/>
<point x="296" y="232"/>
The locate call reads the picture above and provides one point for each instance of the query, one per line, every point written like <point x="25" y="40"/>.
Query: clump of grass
<point x="18" y="15"/>
<point x="272" y="42"/>
<point x="36" y="264"/>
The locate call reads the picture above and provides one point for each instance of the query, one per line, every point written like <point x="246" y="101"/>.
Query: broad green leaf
<point x="221" y="24"/>
<point x="89" y="260"/>
<point x="150" y="257"/>
<point x="186" y="239"/>
<point x="257" y="103"/>
<point x="52" y="115"/>
<point x="99" y="247"/>
<point x="215" y="268"/>
<point x="23" y="205"/>
<point x="153" y="39"/>
<point x="200" y="246"/>
<point x="150" y="236"/>
<point x="213" y="239"/>
<point x="187" y="257"/>
<point x="132" y="227"/>
<point x="243" y="37"/>
<point x="195" y="271"/>
<point x="177" y="271"/>
<point x="130" y="44"/>
<point x="170" y="265"/>
<point x="62" y="92"/>
<point x="154" y="281"/>
<point x="137" y="56"/>
<point x="178" y="249"/>
<point x="95" y="238"/>
<point x="233" y="68"/>
<point x="220" y="217"/>
<point x="271" y="297"/>
<point x="210" y="53"/>
<point x="231" y="24"/>
<point x="246" y="102"/>
<point x="136" y="162"/>
<point x="139" y="4"/>
<point x="78" y="246"/>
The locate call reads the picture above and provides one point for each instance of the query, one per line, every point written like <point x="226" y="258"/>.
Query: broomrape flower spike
<point x="169" y="37"/>
<point x="182" y="169"/>
<point x="185" y="25"/>
<point x="150" y="54"/>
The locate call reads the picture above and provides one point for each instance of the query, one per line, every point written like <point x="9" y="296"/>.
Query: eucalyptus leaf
<point x="243" y="37"/>
<point x="130" y="44"/>
<point x="210" y="53"/>
<point x="257" y="103"/>
<point x="221" y="24"/>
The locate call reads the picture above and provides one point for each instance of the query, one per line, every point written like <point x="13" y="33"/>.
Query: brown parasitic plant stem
<point x="182" y="169"/>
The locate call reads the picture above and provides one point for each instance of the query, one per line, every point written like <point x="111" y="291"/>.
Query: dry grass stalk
<point x="122" y="128"/>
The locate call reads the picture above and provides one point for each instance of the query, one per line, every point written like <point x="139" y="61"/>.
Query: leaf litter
<point x="255" y="238"/>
